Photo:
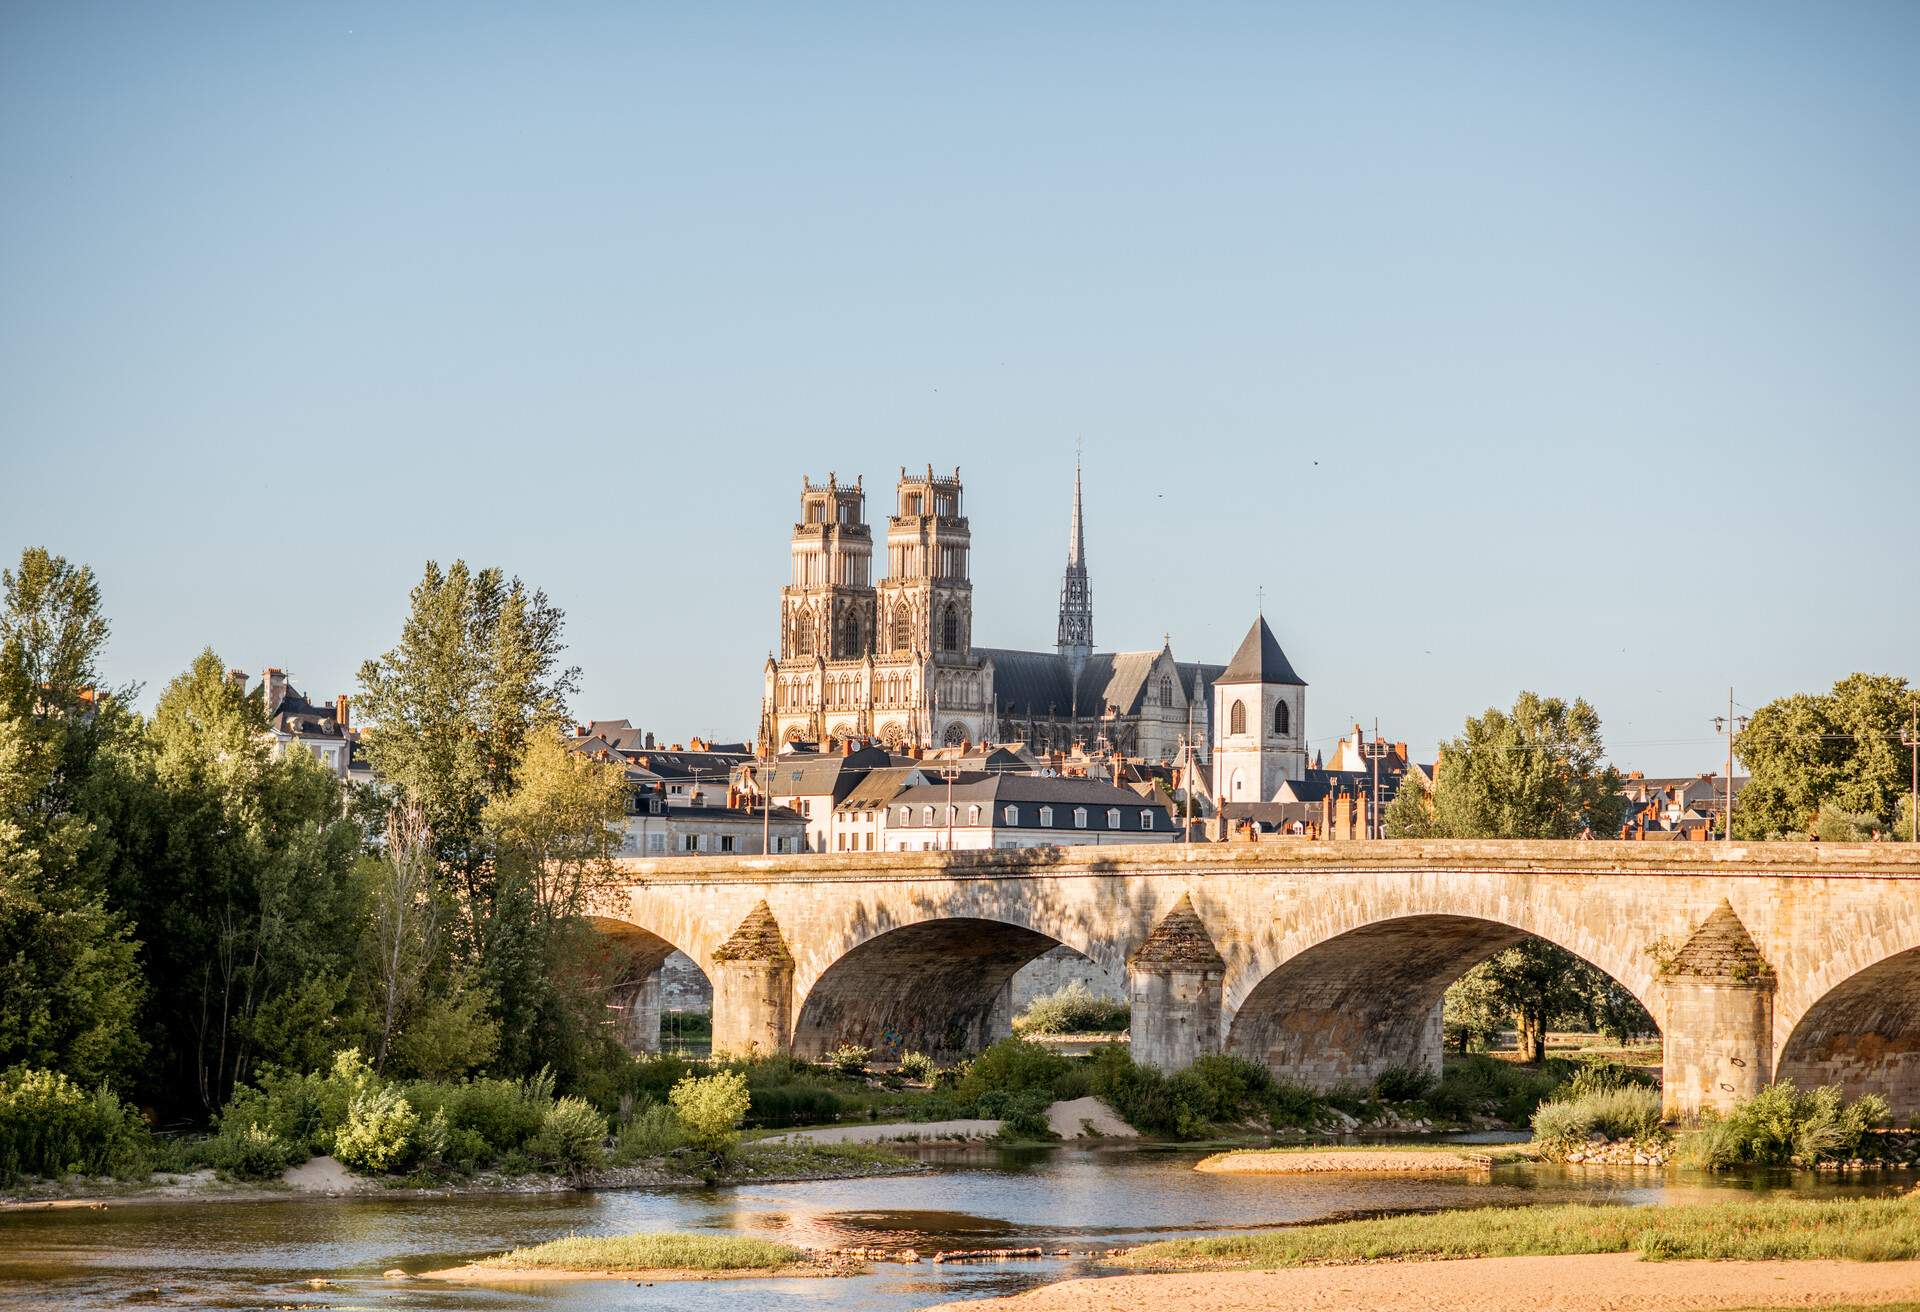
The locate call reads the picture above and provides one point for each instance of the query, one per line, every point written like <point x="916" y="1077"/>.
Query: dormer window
<point x="1012" y="814"/>
<point x="1046" y="817"/>
<point x="1079" y="817"/>
<point x="1146" y="819"/>
<point x="973" y="815"/>
<point x="1113" y="817"/>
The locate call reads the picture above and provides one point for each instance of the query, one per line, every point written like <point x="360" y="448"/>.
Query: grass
<point x="1495" y="1153"/>
<point x="1858" y="1230"/>
<point x="653" y="1252"/>
<point x="804" y="1158"/>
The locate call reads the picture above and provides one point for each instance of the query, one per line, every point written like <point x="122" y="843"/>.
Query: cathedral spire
<point x="1075" y="637"/>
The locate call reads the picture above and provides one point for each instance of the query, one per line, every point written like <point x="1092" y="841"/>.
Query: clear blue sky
<point x="1566" y="347"/>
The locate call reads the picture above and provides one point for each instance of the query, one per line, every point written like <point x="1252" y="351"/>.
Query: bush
<point x="917" y="1066"/>
<point x="304" y="1111"/>
<point x="1073" y="1010"/>
<point x="1024" y="1115"/>
<point x="654" y="1131"/>
<point x="253" y="1153"/>
<point x="1624" y="1113"/>
<point x="50" y="1126"/>
<point x="1486" y="1086"/>
<point x="1012" y="1066"/>
<point x="380" y="1132"/>
<point x="711" y="1109"/>
<point x="572" y="1137"/>
<point x="1781" y="1126"/>
<point x="849" y="1059"/>
<point x="1598" y="1076"/>
<point x="1404" y="1084"/>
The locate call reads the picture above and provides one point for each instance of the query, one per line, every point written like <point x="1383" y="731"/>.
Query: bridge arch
<point x="1368" y="997"/>
<point x="626" y="962"/>
<point x="1862" y="1034"/>
<point x="942" y="986"/>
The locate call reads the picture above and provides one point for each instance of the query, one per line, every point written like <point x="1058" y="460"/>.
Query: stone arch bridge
<point x="1325" y="961"/>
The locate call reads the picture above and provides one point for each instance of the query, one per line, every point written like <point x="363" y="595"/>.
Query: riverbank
<point x="771" y="1162"/>
<point x="1397" y="1160"/>
<point x="1603" y="1282"/>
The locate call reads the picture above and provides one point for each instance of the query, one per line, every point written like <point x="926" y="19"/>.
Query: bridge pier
<point x="1717" y="1042"/>
<point x="638" y="1011"/>
<point x="1174" y="981"/>
<point x="753" y="988"/>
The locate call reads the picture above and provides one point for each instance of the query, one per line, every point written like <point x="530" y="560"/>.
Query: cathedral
<point x="894" y="660"/>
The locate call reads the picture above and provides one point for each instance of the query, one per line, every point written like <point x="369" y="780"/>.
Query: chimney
<point x="237" y="680"/>
<point x="649" y="742"/>
<point x="340" y="711"/>
<point x="275" y="682"/>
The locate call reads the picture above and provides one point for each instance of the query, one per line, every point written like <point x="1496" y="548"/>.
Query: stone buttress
<point x="1718" y="1038"/>
<point x="1174" y="983"/>
<point x="753" y="988"/>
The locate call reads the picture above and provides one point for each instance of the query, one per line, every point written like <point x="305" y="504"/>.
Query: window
<point x="840" y="841"/>
<point x="1013" y="815"/>
<point x="1046" y="817"/>
<point x="973" y="815"/>
<point x="869" y="842"/>
<point x="950" y="629"/>
<point x="1113" y="817"/>
<point x="926" y="815"/>
<point x="726" y="842"/>
<point x="902" y="627"/>
<point x="689" y="842"/>
<point x="1146" y="819"/>
<point x="1282" y="719"/>
<point x="906" y="815"/>
<point x="656" y="843"/>
<point x="1237" y="718"/>
<point x="1079" y="817"/>
<point x="1166" y="690"/>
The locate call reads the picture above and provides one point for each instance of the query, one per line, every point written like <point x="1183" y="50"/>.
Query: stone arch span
<point x="942" y="987"/>
<point x="1369" y="999"/>
<point x="626" y="962"/>
<point x="1863" y="1035"/>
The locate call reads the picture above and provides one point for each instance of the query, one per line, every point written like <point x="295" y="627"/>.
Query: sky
<point x="1497" y="346"/>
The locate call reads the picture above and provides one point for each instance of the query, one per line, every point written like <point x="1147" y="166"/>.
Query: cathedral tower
<point x="826" y="609"/>
<point x="1075" y="636"/>
<point x="924" y="620"/>
<point x="1259" y="721"/>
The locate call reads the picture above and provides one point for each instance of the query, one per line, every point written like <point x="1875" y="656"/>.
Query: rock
<point x="395" y="1273"/>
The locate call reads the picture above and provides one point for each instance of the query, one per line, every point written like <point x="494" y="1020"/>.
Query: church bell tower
<point x="1074" y="640"/>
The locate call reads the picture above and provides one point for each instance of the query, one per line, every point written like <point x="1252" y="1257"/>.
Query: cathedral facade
<point x="894" y="660"/>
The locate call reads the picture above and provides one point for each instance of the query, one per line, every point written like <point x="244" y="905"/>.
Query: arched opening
<point x="950" y="628"/>
<point x="902" y="627"/>
<point x="1237" y="718"/>
<point x="656" y="998"/>
<point x="1370" y="1000"/>
<point x="1863" y="1035"/>
<point x="1282" y="719"/>
<point x="942" y="987"/>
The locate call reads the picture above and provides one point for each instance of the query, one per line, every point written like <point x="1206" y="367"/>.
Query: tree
<point x="1538" y="771"/>
<point x="69" y="987"/>
<point x="245" y="894"/>
<point x="1838" y="751"/>
<point x="405" y="898"/>
<point x="1410" y="813"/>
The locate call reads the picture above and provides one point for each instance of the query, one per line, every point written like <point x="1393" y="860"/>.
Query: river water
<point x="261" y="1254"/>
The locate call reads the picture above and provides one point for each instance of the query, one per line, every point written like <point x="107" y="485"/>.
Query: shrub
<point x="380" y="1132"/>
<point x="572" y="1137"/>
<point x="50" y="1126"/>
<point x="1024" y="1115"/>
<point x="304" y="1111"/>
<point x="917" y="1066"/>
<point x="1010" y="1066"/>
<point x="711" y="1109"/>
<point x="849" y="1059"/>
<point x="1486" y="1086"/>
<point x="1073" y="1010"/>
<point x="1782" y="1126"/>
<point x="253" y="1153"/>
<point x="653" y="1132"/>
<point x="1404" y="1084"/>
<point x="1623" y="1113"/>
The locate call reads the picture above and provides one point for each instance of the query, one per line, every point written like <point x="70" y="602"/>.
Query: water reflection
<point x="250" y="1254"/>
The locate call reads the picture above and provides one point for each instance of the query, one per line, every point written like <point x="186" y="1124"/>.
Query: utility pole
<point x="1373" y="751"/>
<point x="1732" y="725"/>
<point x="1911" y="739"/>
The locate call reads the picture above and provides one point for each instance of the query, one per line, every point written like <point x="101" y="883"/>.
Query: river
<point x="261" y="1254"/>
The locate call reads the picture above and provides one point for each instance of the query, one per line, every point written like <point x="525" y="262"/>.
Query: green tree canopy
<point x="1839" y="750"/>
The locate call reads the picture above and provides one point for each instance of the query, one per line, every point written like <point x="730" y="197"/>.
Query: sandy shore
<point x="1604" y="1282"/>
<point x="1341" y="1159"/>
<point x="1069" y="1120"/>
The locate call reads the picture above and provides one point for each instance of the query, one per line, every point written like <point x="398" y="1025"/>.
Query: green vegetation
<point x="653" y="1252"/>
<point x="711" y="1109"/>
<point x="1628" y="1114"/>
<point x="50" y="1126"/>
<point x="1073" y="1010"/>
<point x="1782" y="1126"/>
<point x="1854" y="1229"/>
<point x="1827" y="763"/>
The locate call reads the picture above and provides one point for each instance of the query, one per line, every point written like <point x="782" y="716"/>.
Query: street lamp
<point x="949" y="772"/>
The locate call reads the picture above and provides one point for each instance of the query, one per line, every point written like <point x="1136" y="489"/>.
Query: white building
<point x="1259" y="721"/>
<point x="1013" y="810"/>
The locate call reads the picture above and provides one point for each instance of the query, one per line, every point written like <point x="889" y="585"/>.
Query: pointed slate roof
<point x="757" y="939"/>
<point x="1260" y="659"/>
<point x="1180" y="939"/>
<point x="1721" y="948"/>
